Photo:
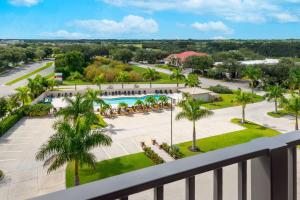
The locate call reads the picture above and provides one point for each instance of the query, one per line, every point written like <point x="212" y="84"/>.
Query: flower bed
<point x="172" y="151"/>
<point x="152" y="155"/>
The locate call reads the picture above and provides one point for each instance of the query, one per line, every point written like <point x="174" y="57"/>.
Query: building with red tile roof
<point x="178" y="59"/>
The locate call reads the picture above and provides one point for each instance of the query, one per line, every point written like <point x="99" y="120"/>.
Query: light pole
<point x="171" y="121"/>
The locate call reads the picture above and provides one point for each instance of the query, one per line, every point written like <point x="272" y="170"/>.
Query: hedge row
<point x="220" y="89"/>
<point x="172" y="151"/>
<point x="38" y="110"/>
<point x="9" y="121"/>
<point x="152" y="155"/>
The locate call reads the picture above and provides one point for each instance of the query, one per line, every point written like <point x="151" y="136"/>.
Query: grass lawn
<point x="280" y="113"/>
<point x="165" y="67"/>
<point x="228" y="101"/>
<point x="26" y="76"/>
<point x="250" y="132"/>
<point x="108" y="168"/>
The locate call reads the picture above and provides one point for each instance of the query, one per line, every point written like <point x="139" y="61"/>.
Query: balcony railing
<point x="273" y="174"/>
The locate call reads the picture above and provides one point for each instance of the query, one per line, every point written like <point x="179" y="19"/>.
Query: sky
<point x="150" y="19"/>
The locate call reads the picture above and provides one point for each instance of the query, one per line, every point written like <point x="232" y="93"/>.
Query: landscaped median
<point x="228" y="101"/>
<point x="26" y="76"/>
<point x="251" y="131"/>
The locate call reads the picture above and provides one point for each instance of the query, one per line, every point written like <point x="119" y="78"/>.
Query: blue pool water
<point x="129" y="100"/>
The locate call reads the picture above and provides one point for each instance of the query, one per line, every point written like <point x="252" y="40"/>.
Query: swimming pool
<point x="128" y="100"/>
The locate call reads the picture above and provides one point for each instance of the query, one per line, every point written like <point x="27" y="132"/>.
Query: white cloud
<point x="254" y="11"/>
<point x="219" y="38"/>
<point x="130" y="24"/>
<point x="63" y="34"/>
<point x="24" y="2"/>
<point x="286" y="17"/>
<point x="212" y="26"/>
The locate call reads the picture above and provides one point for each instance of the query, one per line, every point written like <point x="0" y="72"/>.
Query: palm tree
<point x="254" y="74"/>
<point x="177" y="75"/>
<point x="123" y="105"/>
<point x="151" y="75"/>
<point x="150" y="101"/>
<point x="72" y="143"/>
<point x="51" y="83"/>
<point x="243" y="98"/>
<point x="76" y="108"/>
<point x="192" y="81"/>
<point x="122" y="77"/>
<point x="139" y="103"/>
<point x="92" y="96"/>
<point x="292" y="105"/>
<point x="98" y="80"/>
<point x="13" y="103"/>
<point x="36" y="86"/>
<point x="163" y="100"/>
<point x="275" y="92"/>
<point x="23" y="95"/>
<point x="192" y="111"/>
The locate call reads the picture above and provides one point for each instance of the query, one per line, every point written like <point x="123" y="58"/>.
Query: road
<point x="18" y="72"/>
<point x="205" y="82"/>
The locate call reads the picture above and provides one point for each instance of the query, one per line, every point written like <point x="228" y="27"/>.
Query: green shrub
<point x="173" y="151"/>
<point x="1" y="175"/>
<point x="38" y="110"/>
<point x="220" y="89"/>
<point x="152" y="155"/>
<point x="9" y="121"/>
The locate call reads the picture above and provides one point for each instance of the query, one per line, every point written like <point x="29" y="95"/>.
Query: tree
<point x="292" y="105"/>
<point x="98" y="80"/>
<point x="122" y="77"/>
<point x="150" y="100"/>
<point x="92" y="96"/>
<point x="192" y="80"/>
<point x="254" y="74"/>
<point x="23" y="95"/>
<point x="36" y="85"/>
<point x="151" y="75"/>
<point x="163" y="100"/>
<point x="124" y="55"/>
<point x="201" y="63"/>
<point x="294" y="78"/>
<point x="72" y="143"/>
<point x="72" y="61"/>
<point x="76" y="108"/>
<point x="177" y="75"/>
<point x="275" y="92"/>
<point x="51" y="83"/>
<point x="243" y="98"/>
<point x="233" y="68"/>
<point x="193" y="111"/>
<point x="12" y="103"/>
<point x="3" y="107"/>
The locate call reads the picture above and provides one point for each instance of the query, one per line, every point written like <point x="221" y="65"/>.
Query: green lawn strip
<point x="165" y="67"/>
<point x="280" y="113"/>
<point x="228" y="101"/>
<point x="51" y="75"/>
<point x="26" y="76"/>
<point x="251" y="132"/>
<point x="108" y="168"/>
